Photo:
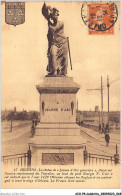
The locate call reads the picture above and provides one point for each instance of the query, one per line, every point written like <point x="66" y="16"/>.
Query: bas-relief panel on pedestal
<point x="57" y="158"/>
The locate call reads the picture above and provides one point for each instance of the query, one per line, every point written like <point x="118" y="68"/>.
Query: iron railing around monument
<point x="90" y="158"/>
<point x="18" y="160"/>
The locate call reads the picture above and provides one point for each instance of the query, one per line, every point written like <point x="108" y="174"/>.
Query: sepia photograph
<point x="60" y="95"/>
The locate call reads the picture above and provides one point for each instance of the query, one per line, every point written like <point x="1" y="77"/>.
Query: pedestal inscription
<point x="58" y="100"/>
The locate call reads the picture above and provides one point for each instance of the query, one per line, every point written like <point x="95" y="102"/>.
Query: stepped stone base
<point x="57" y="140"/>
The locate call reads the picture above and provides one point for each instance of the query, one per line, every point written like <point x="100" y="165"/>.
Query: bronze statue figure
<point x="57" y="43"/>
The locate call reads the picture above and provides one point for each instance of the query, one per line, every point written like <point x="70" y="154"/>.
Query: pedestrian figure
<point x="33" y="122"/>
<point x="99" y="128"/>
<point x="33" y="130"/>
<point x="107" y="138"/>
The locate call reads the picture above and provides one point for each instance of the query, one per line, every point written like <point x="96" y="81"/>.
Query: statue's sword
<point x="69" y="53"/>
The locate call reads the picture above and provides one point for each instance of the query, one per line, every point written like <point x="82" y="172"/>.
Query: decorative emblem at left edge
<point x="14" y="13"/>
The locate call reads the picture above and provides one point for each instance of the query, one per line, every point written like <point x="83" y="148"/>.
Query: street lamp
<point x="12" y="115"/>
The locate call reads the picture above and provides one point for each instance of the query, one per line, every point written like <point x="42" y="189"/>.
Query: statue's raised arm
<point x="46" y="11"/>
<point x="57" y="43"/>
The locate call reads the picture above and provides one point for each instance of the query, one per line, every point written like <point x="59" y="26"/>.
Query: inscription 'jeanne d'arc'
<point x="56" y="109"/>
<point x="51" y="109"/>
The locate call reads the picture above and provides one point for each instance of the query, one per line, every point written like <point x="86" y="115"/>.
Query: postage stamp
<point x="99" y="17"/>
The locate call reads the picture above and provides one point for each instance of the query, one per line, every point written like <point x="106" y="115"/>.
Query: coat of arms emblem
<point x="14" y="13"/>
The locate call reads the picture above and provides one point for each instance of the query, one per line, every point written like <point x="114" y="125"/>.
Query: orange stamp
<point x="100" y="17"/>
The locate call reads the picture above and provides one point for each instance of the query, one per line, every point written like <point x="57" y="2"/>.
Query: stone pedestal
<point x="57" y="138"/>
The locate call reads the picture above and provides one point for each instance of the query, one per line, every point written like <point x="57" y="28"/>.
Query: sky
<point x="24" y="58"/>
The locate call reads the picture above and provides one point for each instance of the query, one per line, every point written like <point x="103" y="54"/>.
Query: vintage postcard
<point x="60" y="95"/>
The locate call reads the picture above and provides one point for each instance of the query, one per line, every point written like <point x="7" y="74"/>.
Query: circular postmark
<point x="99" y="16"/>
